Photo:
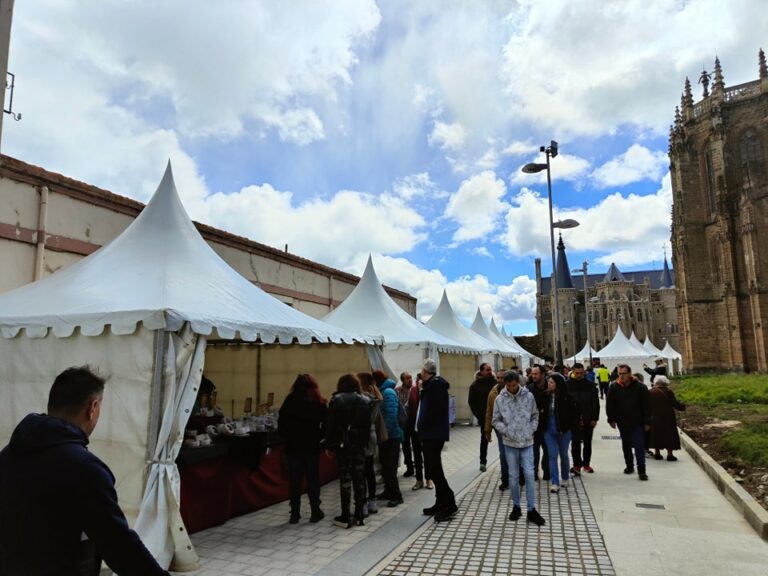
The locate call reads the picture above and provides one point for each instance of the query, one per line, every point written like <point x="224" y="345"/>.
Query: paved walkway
<point x="605" y="523"/>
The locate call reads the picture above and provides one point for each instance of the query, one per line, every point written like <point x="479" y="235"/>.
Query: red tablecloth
<point x="213" y="491"/>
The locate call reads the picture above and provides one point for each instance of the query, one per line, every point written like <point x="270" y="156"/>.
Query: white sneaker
<point x="564" y="483"/>
<point x="554" y="488"/>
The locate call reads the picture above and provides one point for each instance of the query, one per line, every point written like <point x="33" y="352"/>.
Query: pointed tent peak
<point x="614" y="274"/>
<point x="666" y="276"/>
<point x="762" y="65"/>
<point x="369" y="274"/>
<point x="479" y="319"/>
<point x="564" y="279"/>
<point x="719" y="83"/>
<point x="493" y="327"/>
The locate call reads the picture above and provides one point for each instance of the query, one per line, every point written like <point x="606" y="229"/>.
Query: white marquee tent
<point x="635" y="341"/>
<point x="651" y="348"/>
<point x="140" y="310"/>
<point x="676" y="363"/>
<point x="583" y="354"/>
<point x="526" y="358"/>
<point x="621" y="351"/>
<point x="506" y="348"/>
<point x="407" y="342"/>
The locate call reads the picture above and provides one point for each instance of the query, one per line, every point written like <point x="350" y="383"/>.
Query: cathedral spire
<point x="564" y="279"/>
<point x="704" y="81"/>
<point x="678" y="117"/>
<point x="666" y="276"/>
<point x="719" y="83"/>
<point x="763" y="67"/>
<point x="687" y="94"/>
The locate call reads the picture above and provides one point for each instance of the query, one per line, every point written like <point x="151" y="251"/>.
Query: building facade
<point x="49" y="221"/>
<point x="717" y="153"/>
<point x="642" y="302"/>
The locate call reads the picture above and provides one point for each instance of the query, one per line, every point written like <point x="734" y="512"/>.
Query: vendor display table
<point x="250" y="474"/>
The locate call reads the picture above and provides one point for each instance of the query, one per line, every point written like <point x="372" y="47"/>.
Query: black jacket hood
<point x="37" y="432"/>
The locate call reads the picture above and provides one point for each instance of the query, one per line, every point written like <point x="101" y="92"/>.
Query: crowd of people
<point x="546" y="422"/>
<point x="367" y="414"/>
<point x="543" y="422"/>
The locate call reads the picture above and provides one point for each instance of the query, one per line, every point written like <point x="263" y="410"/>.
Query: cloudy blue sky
<point x="349" y="127"/>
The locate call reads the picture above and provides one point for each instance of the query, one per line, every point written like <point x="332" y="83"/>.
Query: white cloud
<point x="589" y="68"/>
<point x="481" y="251"/>
<point x="477" y="206"/>
<point x="563" y="167"/>
<point x="448" y="136"/>
<point x="637" y="163"/>
<point x="631" y="228"/>
<point x="301" y="126"/>
<point x="489" y="160"/>
<point x="319" y="229"/>
<point x="520" y="148"/>
<point x="414" y="185"/>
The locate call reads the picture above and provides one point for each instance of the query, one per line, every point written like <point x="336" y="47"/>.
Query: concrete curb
<point x="742" y="500"/>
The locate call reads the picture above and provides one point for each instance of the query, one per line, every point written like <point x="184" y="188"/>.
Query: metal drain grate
<point x="650" y="506"/>
<point x="611" y="437"/>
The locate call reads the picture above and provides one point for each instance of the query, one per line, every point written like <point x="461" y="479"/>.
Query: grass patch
<point x="723" y="389"/>
<point x="749" y="443"/>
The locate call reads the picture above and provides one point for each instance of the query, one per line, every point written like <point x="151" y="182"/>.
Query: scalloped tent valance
<point x="161" y="273"/>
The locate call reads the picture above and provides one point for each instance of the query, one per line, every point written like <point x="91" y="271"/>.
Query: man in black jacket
<point x="478" y="403"/>
<point x="538" y="387"/>
<point x="58" y="507"/>
<point x="434" y="431"/>
<point x="587" y="398"/>
<point x="628" y="407"/>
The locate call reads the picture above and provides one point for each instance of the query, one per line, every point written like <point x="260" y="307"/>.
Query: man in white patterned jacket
<point x="516" y="417"/>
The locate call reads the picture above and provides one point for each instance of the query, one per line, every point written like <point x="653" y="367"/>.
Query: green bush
<point x="723" y="389"/>
<point x="749" y="443"/>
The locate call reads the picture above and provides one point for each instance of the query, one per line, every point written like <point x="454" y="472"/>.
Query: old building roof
<point x="614" y="274"/>
<point x="666" y="276"/>
<point x="564" y="279"/>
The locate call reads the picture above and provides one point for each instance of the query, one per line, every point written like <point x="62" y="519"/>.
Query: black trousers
<point x="407" y="452"/>
<point x="299" y="466"/>
<point x="540" y="454"/>
<point x="581" y="445"/>
<point x="351" y="479"/>
<point x="389" y="455"/>
<point x="418" y="456"/>
<point x="483" y="446"/>
<point x="433" y="464"/>
<point x="370" y="476"/>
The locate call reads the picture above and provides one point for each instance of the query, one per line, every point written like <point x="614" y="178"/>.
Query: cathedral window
<point x="710" y="182"/>
<point x="752" y="159"/>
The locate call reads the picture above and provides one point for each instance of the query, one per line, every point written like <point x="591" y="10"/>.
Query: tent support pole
<point x="258" y="375"/>
<point x="156" y="405"/>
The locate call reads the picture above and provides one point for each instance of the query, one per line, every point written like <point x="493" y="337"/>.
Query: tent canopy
<point x="504" y="346"/>
<point x="508" y="340"/>
<point x="670" y="352"/>
<point x="162" y="273"/>
<point x="370" y="309"/>
<point x="621" y="347"/>
<point x="649" y="347"/>
<point x="583" y="353"/>
<point x="635" y="341"/>
<point x="446" y="322"/>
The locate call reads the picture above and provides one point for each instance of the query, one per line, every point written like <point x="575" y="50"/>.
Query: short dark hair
<point x="577" y="366"/>
<point x="73" y="389"/>
<point x="511" y="375"/>
<point x="482" y="365"/>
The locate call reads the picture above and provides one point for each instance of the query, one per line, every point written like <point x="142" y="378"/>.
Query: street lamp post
<point x="583" y="270"/>
<point x="533" y="168"/>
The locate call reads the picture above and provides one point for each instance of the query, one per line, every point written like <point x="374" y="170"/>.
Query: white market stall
<point x="676" y="359"/>
<point x="526" y="358"/>
<point x="621" y="351"/>
<point x="140" y="310"/>
<point x="583" y="355"/>
<point x="446" y="322"/>
<point x="407" y="342"/>
<point x="506" y="348"/>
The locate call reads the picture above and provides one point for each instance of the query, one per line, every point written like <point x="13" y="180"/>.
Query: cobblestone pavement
<point x="482" y="540"/>
<point x="264" y="543"/>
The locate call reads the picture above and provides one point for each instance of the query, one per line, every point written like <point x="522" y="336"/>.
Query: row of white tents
<point x="155" y="306"/>
<point x="630" y="351"/>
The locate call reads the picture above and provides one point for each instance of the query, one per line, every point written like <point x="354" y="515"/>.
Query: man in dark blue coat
<point x="434" y="430"/>
<point x="58" y="506"/>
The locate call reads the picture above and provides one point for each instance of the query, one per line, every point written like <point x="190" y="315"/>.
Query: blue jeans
<point x="517" y="457"/>
<point x="557" y="444"/>
<point x="633" y="437"/>
<point x="502" y="460"/>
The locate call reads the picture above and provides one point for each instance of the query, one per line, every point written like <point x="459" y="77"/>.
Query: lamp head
<point x="534" y="167"/>
<point x="567" y="223"/>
